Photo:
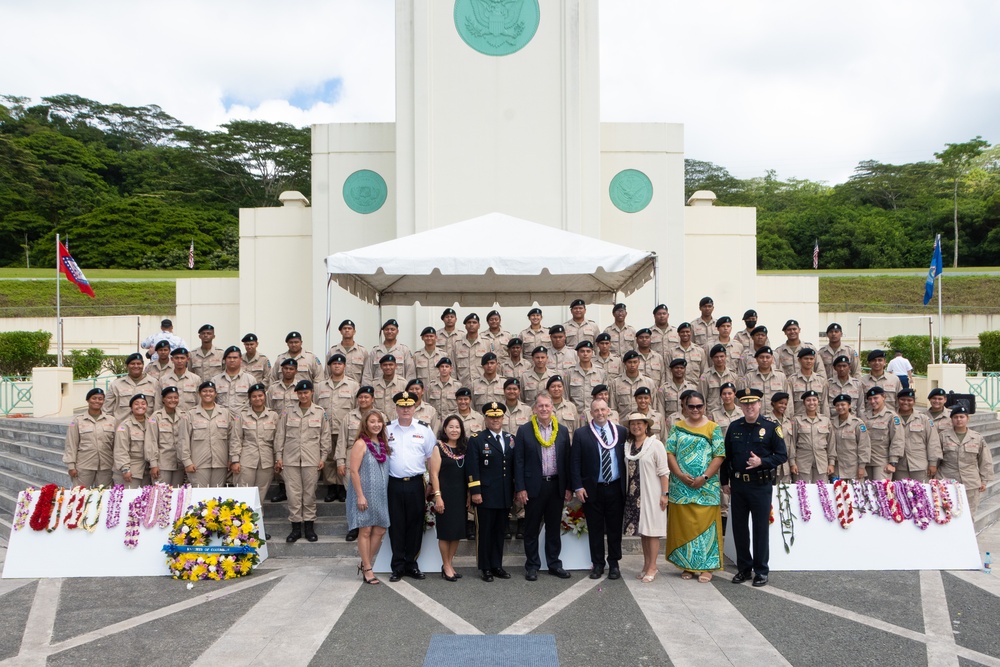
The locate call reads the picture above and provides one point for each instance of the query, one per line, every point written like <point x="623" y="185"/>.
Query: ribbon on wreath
<point x="174" y="549"/>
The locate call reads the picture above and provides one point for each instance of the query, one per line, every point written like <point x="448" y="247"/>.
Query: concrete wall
<point x="962" y="329"/>
<point x="783" y="298"/>
<point x="214" y="301"/>
<point x="113" y="334"/>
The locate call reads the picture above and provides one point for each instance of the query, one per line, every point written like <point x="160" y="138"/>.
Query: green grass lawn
<point x="37" y="298"/>
<point x="107" y="274"/>
<point x="905" y="294"/>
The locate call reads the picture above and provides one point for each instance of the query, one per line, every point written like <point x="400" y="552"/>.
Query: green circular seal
<point x="496" y="27"/>
<point x="630" y="190"/>
<point x="365" y="191"/>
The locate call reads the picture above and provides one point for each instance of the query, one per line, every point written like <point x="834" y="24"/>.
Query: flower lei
<point x="845" y="506"/>
<point x="380" y="454"/>
<point x="74" y="507"/>
<point x="785" y="513"/>
<point x="573" y="521"/>
<point x="956" y="509"/>
<point x="430" y="516"/>
<point x="862" y="503"/>
<point x="23" y="503"/>
<point x="825" y="502"/>
<point x="115" y="505"/>
<point x="136" y="511"/>
<point x="600" y="440"/>
<point x="892" y="507"/>
<point x="158" y="509"/>
<point x="182" y="499"/>
<point x="538" y="435"/>
<point x="43" y="508"/>
<point x="87" y="525"/>
<point x="913" y="502"/>
<point x="942" y="502"/>
<point x="189" y="557"/>
<point x="804" y="510"/>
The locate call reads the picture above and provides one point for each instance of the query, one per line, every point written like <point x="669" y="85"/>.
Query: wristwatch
<point x="124" y="469"/>
<point x="667" y="493"/>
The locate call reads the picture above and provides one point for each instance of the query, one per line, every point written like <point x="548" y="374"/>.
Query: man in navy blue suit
<point x="541" y="484"/>
<point x="597" y="472"/>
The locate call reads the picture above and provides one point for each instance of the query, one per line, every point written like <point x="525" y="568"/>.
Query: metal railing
<point x="986" y="388"/>
<point x="15" y="395"/>
<point x="101" y="382"/>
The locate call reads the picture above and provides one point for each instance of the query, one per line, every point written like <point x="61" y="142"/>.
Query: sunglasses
<point x="699" y="406"/>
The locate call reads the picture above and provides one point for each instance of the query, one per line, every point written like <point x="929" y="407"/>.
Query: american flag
<point x="191" y="255"/>
<point x="816" y="255"/>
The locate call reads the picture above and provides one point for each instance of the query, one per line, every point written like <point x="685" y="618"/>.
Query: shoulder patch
<point x="777" y="429"/>
<point x="863" y="428"/>
<point x="896" y="420"/>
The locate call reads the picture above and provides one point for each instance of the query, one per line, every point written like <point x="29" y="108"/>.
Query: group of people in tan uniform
<point x="218" y="416"/>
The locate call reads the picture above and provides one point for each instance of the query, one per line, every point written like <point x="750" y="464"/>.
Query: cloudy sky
<point x="808" y="89"/>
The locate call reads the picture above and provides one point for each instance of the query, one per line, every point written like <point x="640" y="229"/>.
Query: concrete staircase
<point x="31" y="455"/>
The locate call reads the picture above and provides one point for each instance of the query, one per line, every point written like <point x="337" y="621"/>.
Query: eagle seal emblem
<point x="631" y="190"/>
<point x="496" y="27"/>
<point x="365" y="191"/>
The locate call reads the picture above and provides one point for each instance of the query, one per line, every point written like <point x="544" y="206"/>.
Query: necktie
<point x="605" y="458"/>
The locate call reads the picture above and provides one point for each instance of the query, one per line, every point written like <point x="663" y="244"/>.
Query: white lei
<point x="638" y="456"/>
<point x="600" y="440"/>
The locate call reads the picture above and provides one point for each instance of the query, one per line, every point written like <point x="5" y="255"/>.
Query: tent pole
<point x="656" y="280"/>
<point x="329" y="283"/>
<point x="378" y="296"/>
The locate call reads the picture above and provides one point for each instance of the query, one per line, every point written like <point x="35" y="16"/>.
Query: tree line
<point x="883" y="216"/>
<point x="133" y="187"/>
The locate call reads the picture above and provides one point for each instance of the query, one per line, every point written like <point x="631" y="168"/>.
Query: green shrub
<point x="915" y="348"/>
<point x="20" y="351"/>
<point x="972" y="357"/>
<point x="116" y="364"/>
<point x="989" y="346"/>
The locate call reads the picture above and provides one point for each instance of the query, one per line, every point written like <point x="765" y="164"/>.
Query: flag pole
<point x="940" y="314"/>
<point x="59" y="349"/>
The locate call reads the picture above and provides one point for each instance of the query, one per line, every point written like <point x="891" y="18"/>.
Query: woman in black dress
<point x="450" y="491"/>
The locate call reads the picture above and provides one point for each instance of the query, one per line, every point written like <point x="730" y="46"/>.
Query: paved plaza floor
<point x="316" y="612"/>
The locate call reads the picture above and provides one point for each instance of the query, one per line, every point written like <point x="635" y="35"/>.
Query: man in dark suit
<point x="541" y="483"/>
<point x="597" y="472"/>
<point x="490" y="461"/>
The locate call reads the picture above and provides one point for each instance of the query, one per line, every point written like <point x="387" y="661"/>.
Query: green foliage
<point x="915" y="348"/>
<point x="115" y="363"/>
<point x="20" y="351"/>
<point x="37" y="298"/>
<point x="989" y="347"/>
<point x="85" y="363"/>
<point x="972" y="357"/>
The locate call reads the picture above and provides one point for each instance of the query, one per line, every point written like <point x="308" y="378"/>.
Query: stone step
<point x="988" y="514"/>
<point x="15" y="482"/>
<point x="39" y="473"/>
<point x="323" y="510"/>
<point x="35" y="452"/>
<point x="47" y="440"/>
<point x="57" y="426"/>
<point x="5" y="528"/>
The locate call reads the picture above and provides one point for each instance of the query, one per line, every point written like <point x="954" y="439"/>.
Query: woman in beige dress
<point x="647" y="475"/>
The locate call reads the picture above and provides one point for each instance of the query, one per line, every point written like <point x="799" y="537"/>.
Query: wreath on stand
<point x="190" y="557"/>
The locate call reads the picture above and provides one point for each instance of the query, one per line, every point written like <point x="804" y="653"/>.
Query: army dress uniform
<point x="187" y="388"/>
<point x="207" y="445"/>
<point x="814" y="447"/>
<point x="357" y="358"/>
<point x="852" y="448"/>
<point x="121" y="391"/>
<point x="134" y="448"/>
<point x="888" y="444"/>
<point x="966" y="458"/>
<point x="89" y="448"/>
<point x="206" y="364"/>
<point x="922" y="447"/>
<point x="254" y="449"/>
<point x="167" y="431"/>
<point x="301" y="443"/>
<point x="490" y="473"/>
<point x="231" y="392"/>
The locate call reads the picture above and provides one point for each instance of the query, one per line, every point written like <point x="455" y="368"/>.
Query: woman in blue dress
<point x="367" y="503"/>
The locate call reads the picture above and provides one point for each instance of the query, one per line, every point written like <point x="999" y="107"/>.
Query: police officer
<point x="755" y="447"/>
<point x="90" y="443"/>
<point x="301" y="444"/>
<point x="490" y="461"/>
<point x="255" y="363"/>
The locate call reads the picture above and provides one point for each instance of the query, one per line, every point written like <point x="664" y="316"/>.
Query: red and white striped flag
<point x="816" y="255"/>
<point x="191" y="255"/>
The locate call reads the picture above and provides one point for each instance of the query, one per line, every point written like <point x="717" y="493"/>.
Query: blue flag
<point x="934" y="271"/>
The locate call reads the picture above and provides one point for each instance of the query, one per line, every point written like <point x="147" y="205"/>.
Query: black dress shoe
<point x="395" y="576"/>
<point x="331" y="494"/>
<point x="596" y="572"/>
<point x="458" y="575"/>
<point x="614" y="572"/>
<point x="415" y="573"/>
<point x="446" y="577"/>
<point x="500" y="572"/>
<point x="342" y="493"/>
<point x="740" y="577"/>
<point x="760" y="580"/>
<point x="519" y="530"/>
<point x="531" y="575"/>
<point x="352" y="535"/>
<point x="470" y="530"/>
<point x="559" y="572"/>
<point x="486" y="576"/>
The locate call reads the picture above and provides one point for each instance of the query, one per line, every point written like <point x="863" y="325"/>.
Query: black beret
<point x="603" y="336"/>
<point x="293" y="334"/>
<point x="304" y="385"/>
<point x="169" y="390"/>
<point x="875" y="354"/>
<point x="492" y="313"/>
<point x="679" y="361"/>
<point x="162" y="344"/>
<point x="779" y="396"/>
<point x="205" y="327"/>
<point x="683" y="325"/>
<point x="875" y="391"/>
<point x="463" y="391"/>
<point x="643" y="391"/>
<point x="716" y="349"/>
<point x="906" y="393"/>
<point x="725" y="319"/>
<point x="577" y="302"/>
<point x="727" y="385"/>
<point x="179" y="351"/>
<point x="705" y="300"/>
<point x="584" y="343"/>
<point x="365" y="389"/>
<point x="758" y="330"/>
<point x="509" y="381"/>
<point x="552" y="380"/>
<point x="790" y="323"/>
<point x="386" y="358"/>
<point x="470" y="316"/>
<point x="135" y="356"/>
<point x="289" y="362"/>
<point x="390" y="323"/>
<point x="256" y="387"/>
<point x="232" y="348"/>
<point x="938" y="391"/>
<point x="660" y="307"/>
<point x="136" y="398"/>
<point x="841" y="360"/>
<point x="959" y="410"/>
<point x="644" y="332"/>
<point x="598" y="389"/>
<point x="833" y="326"/>
<point x="541" y="349"/>
<point x="428" y="330"/>
<point x="806" y="352"/>
<point x="631" y="354"/>
<point x="534" y="311"/>
<point x="749" y="315"/>
<point x="764" y="349"/>
<point x="809" y="394"/>
<point x="443" y="360"/>
<point x="347" y="323"/>
<point x="446" y="312"/>
<point x="249" y="338"/>
<point x="556" y="329"/>
<point x="207" y="384"/>
<point x="336" y="358"/>
<point x="842" y="398"/>
<point x="618" y="306"/>
<point x="415" y="381"/>
<point x="94" y="392"/>
<point x="489" y="356"/>
<point x="514" y="342"/>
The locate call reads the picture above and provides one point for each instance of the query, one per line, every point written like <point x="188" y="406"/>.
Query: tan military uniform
<point x="89" y="449"/>
<point x="852" y="388"/>
<point x="701" y="331"/>
<point x="697" y="361"/>
<point x="154" y="369"/>
<point x="357" y="358"/>
<point x="336" y="399"/>
<point x="426" y="413"/>
<point x="581" y="383"/>
<point x="748" y="362"/>
<point x="511" y="370"/>
<point x="121" y="391"/>
<point x="577" y="331"/>
<point x="966" y="458"/>
<point x="259" y="367"/>
<point x="651" y="365"/>
<point x="744" y="338"/>
<point x="254" y="449"/>
<point x="442" y="395"/>
<point x="622" y="340"/>
<point x="800" y="384"/>
<point x="469" y="358"/>
<point x="207" y="445"/>
<point x="889" y="383"/>
<point x="498" y="341"/>
<point x="940" y="421"/>
<point x="231" y="392"/>
<point x="187" y="388"/>
<point x="473" y="422"/>
<point x="561" y="361"/>
<point x="302" y="442"/>
<point x="384" y="391"/>
<point x="734" y="352"/>
<point x="784" y="471"/>
<point x="206" y="364"/>
<point x="167" y="431"/>
<point x="888" y="443"/>
<point x="533" y="339"/>
<point x="446" y="341"/>
<point x="668" y="396"/>
<point x="347" y="435"/>
<point x="425" y="364"/>
<point x="663" y="341"/>
<point x="827" y="354"/>
<point x="532" y="383"/>
<point x="404" y="362"/>
<point x="786" y="357"/>
<point x="852" y="449"/>
<point x="922" y="447"/>
<point x="567" y="414"/>
<point x="486" y="391"/>
<point x="309" y="366"/>
<point x="814" y="446"/>
<point x="724" y="417"/>
<point x="281" y="396"/>
<point x="770" y="384"/>
<point x="709" y="385"/>
<point x="612" y="366"/>
<point x="134" y="446"/>
<point x="621" y="391"/>
<point x="516" y="416"/>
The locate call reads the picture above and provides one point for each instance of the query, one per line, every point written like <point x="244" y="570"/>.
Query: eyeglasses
<point x="699" y="406"/>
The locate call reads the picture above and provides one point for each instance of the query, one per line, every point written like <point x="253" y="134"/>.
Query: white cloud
<point x="803" y="88"/>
